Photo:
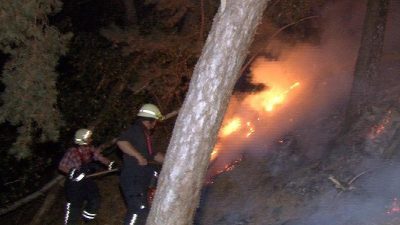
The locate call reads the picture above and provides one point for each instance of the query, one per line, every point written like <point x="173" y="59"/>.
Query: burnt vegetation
<point x="123" y="53"/>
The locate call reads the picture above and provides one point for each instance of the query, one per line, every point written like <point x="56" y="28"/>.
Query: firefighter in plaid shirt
<point x="77" y="163"/>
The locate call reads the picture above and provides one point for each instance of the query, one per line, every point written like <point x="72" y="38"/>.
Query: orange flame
<point x="214" y="153"/>
<point x="273" y="97"/>
<point x="251" y="129"/>
<point x="231" y="127"/>
<point x="269" y="99"/>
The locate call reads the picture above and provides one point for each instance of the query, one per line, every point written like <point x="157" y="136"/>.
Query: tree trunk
<point x="200" y="117"/>
<point x="130" y="12"/>
<point x="369" y="55"/>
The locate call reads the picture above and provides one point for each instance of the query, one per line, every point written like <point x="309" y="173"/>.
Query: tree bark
<point x="200" y="117"/>
<point x="130" y="12"/>
<point x="369" y="55"/>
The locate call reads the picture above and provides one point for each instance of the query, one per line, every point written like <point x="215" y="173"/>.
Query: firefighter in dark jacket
<point x="77" y="163"/>
<point x="136" y="173"/>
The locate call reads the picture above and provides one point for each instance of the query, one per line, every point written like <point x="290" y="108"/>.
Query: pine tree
<point x="195" y="131"/>
<point x="29" y="76"/>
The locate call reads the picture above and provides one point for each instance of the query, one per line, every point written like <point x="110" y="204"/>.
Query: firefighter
<point x="82" y="192"/>
<point x="136" y="173"/>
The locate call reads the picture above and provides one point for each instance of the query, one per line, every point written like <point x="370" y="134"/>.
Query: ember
<point x="395" y="208"/>
<point x="380" y="128"/>
<point x="227" y="168"/>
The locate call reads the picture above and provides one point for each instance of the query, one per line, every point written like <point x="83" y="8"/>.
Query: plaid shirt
<point x="80" y="155"/>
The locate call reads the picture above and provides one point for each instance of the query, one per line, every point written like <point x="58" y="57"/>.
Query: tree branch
<point x="272" y="37"/>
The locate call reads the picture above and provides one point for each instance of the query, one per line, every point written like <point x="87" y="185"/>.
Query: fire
<point x="214" y="153"/>
<point x="257" y="111"/>
<point x="269" y="99"/>
<point x="227" y="167"/>
<point x="251" y="129"/>
<point x="275" y="96"/>
<point x="231" y="127"/>
<point x="378" y="129"/>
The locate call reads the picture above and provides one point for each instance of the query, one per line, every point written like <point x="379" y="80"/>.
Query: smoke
<point x="371" y="202"/>
<point x="375" y="199"/>
<point x="324" y="73"/>
<point x="311" y="112"/>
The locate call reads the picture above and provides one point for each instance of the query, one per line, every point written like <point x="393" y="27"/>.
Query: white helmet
<point x="82" y="136"/>
<point x="150" y="111"/>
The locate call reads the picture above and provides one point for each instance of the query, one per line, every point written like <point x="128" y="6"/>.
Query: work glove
<point x="76" y="175"/>
<point x="112" y="165"/>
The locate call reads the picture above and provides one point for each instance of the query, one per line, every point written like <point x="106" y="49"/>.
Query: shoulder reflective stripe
<point x="67" y="208"/>
<point x="88" y="213"/>
<point x="133" y="220"/>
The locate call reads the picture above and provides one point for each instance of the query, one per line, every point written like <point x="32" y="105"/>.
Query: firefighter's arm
<point x="71" y="173"/>
<point x="63" y="168"/>
<point x="128" y="149"/>
<point x="107" y="144"/>
<point x="159" y="157"/>
<point x="99" y="157"/>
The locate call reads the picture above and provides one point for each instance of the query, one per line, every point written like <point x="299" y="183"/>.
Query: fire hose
<point x="115" y="170"/>
<point x="101" y="173"/>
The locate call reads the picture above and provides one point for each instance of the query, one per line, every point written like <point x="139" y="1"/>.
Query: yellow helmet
<point x="150" y="111"/>
<point x="82" y="136"/>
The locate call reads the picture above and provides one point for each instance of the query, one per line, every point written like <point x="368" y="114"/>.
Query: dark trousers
<point x="134" y="185"/>
<point x="77" y="194"/>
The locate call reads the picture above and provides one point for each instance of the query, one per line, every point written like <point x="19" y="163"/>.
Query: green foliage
<point x="21" y="177"/>
<point x="29" y="98"/>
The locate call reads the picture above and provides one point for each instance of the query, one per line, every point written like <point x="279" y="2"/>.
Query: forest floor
<point x="352" y="185"/>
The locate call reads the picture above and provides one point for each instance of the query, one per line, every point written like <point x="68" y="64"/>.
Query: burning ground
<point x="281" y="157"/>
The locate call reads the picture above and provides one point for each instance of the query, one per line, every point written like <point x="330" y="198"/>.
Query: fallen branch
<point x="346" y="186"/>
<point x="339" y="185"/>
<point x="357" y="176"/>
